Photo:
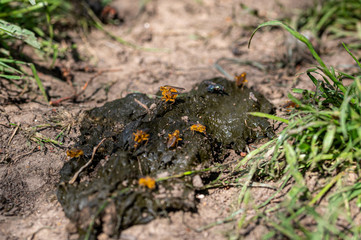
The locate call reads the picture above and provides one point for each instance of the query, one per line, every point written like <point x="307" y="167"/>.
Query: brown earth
<point x="189" y="37"/>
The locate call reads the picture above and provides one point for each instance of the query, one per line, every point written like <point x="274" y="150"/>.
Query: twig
<point x="76" y="95"/>
<point x="140" y="167"/>
<point x="253" y="185"/>
<point x="247" y="149"/>
<point x="23" y="155"/>
<point x="32" y="236"/>
<point x="4" y="124"/>
<point x="12" y="135"/>
<point x="142" y="105"/>
<point x="87" y="164"/>
<point x="38" y="137"/>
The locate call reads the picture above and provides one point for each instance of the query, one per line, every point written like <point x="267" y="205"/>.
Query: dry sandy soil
<point x="190" y="37"/>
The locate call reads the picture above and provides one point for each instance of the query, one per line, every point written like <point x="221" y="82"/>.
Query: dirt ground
<point x="189" y="37"/>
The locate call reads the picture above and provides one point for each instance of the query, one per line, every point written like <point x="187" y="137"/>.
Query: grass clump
<point x="337" y="18"/>
<point x="26" y="23"/>
<point x="322" y="139"/>
<point x="42" y="25"/>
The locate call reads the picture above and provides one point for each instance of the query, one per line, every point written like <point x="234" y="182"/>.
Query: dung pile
<point x="107" y="197"/>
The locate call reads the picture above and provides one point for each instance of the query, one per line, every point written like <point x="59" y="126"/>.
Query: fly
<point x="215" y="88"/>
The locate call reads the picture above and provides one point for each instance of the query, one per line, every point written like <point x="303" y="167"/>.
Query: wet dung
<point x="150" y="137"/>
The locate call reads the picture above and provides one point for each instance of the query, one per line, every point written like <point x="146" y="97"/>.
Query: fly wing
<point x="177" y="88"/>
<point x="171" y="142"/>
<point x="210" y="83"/>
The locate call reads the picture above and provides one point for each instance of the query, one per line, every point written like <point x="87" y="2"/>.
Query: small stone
<point x="197" y="181"/>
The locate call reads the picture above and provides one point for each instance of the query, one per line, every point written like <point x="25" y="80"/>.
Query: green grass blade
<point x="12" y="61"/>
<point x="329" y="137"/>
<point x="269" y="116"/>
<point x="23" y="10"/>
<point x="289" y="232"/>
<point x="321" y="222"/>
<point x="301" y="91"/>
<point x="352" y="192"/>
<point x="349" y="52"/>
<point x="326" y="189"/>
<point x="6" y="66"/>
<point x="291" y="159"/>
<point x="343" y="116"/>
<point x="325" y="18"/>
<point x="250" y="175"/>
<point x="6" y="1"/>
<point x="50" y="26"/>
<point x="38" y="82"/>
<point x="11" y="77"/>
<point x="298" y="102"/>
<point x="255" y="152"/>
<point x="346" y="75"/>
<point x="19" y="33"/>
<point x="308" y="44"/>
<point x="316" y="82"/>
